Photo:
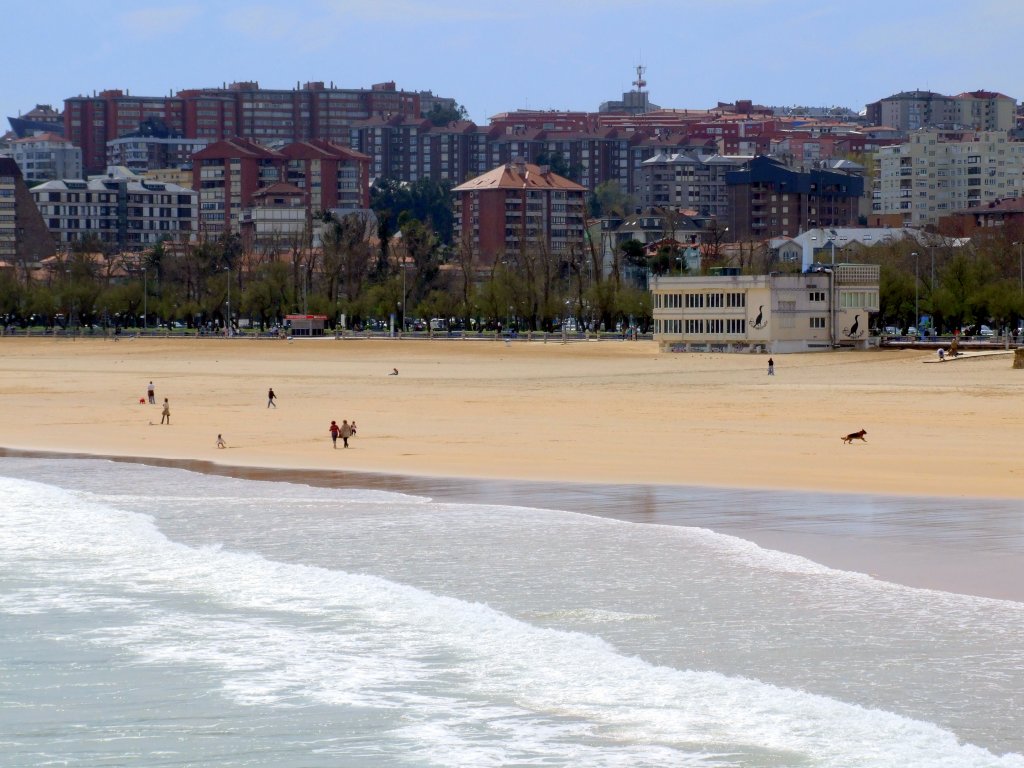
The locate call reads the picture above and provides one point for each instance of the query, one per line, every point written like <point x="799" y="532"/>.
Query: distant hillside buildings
<point x="264" y="160"/>
<point x="242" y="109"/>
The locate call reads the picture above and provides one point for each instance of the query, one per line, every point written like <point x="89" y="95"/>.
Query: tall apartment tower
<point x="936" y="173"/>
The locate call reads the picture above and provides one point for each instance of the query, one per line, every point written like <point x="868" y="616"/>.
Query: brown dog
<point x="855" y="436"/>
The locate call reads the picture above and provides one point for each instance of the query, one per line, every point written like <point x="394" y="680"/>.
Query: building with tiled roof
<point x="518" y="208"/>
<point x="333" y="176"/>
<point x="226" y="175"/>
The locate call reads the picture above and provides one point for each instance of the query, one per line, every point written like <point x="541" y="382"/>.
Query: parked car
<point x="985" y="331"/>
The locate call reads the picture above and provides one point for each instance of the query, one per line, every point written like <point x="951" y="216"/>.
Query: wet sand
<point x="609" y="428"/>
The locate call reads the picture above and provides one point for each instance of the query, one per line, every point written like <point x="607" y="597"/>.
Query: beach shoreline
<point x="589" y="427"/>
<point x="837" y="544"/>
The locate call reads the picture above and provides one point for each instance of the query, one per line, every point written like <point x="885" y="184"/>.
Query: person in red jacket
<point x="335" y="430"/>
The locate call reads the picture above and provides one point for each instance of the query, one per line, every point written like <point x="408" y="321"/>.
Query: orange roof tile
<point x="518" y="176"/>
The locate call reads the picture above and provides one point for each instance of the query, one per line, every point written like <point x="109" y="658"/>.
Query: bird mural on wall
<point x="759" y="321"/>
<point x="854" y="330"/>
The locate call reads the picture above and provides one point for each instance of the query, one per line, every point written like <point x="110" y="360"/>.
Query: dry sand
<point x="609" y="412"/>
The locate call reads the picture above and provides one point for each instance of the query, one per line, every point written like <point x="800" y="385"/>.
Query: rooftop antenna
<point x="640" y="83"/>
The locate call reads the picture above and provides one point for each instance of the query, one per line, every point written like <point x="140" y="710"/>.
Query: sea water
<point x="158" y="617"/>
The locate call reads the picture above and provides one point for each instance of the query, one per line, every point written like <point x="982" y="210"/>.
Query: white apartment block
<point x="817" y="310"/>
<point x="125" y="212"/>
<point x="936" y="173"/>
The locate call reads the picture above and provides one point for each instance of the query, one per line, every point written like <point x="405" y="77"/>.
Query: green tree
<point x="444" y="114"/>
<point x="609" y="199"/>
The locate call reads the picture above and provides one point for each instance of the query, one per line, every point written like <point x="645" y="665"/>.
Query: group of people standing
<point x="345" y="431"/>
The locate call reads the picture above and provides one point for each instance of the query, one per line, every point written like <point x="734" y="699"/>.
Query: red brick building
<point x="312" y="111"/>
<point x="229" y="174"/>
<point x="517" y="207"/>
<point x="226" y="175"/>
<point x="333" y="176"/>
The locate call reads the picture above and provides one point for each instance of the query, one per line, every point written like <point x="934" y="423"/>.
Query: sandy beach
<point x="564" y="417"/>
<point x="610" y="412"/>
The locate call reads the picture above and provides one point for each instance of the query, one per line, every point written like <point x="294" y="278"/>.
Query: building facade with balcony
<point x="125" y="212"/>
<point x="817" y="310"/>
<point x="516" y="209"/>
<point x="935" y="173"/>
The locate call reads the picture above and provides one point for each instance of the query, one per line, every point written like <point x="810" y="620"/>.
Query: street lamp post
<point x="916" y="313"/>
<point x="227" y="328"/>
<point x="145" y="307"/>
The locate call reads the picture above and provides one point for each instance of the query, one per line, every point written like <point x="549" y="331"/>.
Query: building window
<point x="817" y="322"/>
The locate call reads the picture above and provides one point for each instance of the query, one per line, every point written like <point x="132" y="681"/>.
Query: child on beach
<point x="335" y="430"/>
<point x="220" y="442"/>
<point x="165" y="416"/>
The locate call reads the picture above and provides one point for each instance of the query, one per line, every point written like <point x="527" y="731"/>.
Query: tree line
<point x="405" y="264"/>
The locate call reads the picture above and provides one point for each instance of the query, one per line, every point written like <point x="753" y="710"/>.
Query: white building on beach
<point x="821" y="309"/>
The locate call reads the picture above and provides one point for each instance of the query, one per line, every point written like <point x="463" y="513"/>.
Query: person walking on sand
<point x="771" y="367"/>
<point x="271" y="397"/>
<point x="335" y="430"/>
<point x="220" y="442"/>
<point x="346" y="432"/>
<point x="151" y="392"/>
<point x="165" y="417"/>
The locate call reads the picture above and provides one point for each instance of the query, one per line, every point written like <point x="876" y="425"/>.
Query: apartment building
<point x="767" y="199"/>
<point x="690" y="180"/>
<point x="46" y="156"/>
<point x="310" y="111"/>
<point x="229" y="174"/>
<point x="226" y="175"/>
<point x="24" y="239"/>
<point x="517" y="208"/>
<point x="333" y="177"/>
<point x="141" y="154"/>
<point x="816" y="310"/>
<point x="910" y="111"/>
<point x="935" y="173"/>
<point x="123" y="211"/>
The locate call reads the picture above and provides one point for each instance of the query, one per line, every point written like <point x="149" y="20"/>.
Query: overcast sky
<point x="498" y="55"/>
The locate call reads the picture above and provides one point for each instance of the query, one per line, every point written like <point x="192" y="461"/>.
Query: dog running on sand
<point x="860" y="435"/>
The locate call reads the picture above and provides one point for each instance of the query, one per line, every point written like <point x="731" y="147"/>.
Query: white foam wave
<point x="281" y="634"/>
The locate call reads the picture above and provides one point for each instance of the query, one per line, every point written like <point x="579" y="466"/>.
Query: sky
<point x="500" y="55"/>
